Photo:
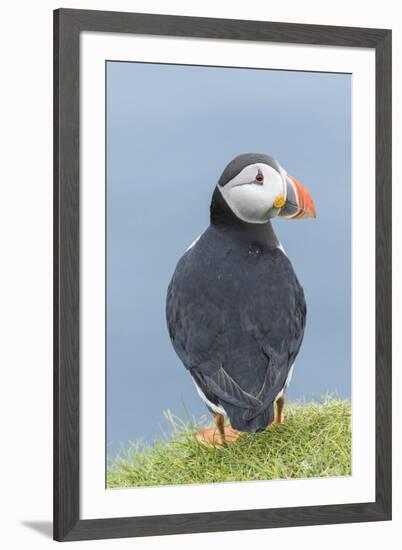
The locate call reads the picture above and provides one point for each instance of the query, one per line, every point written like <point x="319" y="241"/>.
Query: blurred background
<point x="171" y="129"/>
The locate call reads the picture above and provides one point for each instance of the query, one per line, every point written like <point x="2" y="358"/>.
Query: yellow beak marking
<point x="279" y="201"/>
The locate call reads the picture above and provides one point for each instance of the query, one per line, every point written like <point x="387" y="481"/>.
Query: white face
<point x="251" y="194"/>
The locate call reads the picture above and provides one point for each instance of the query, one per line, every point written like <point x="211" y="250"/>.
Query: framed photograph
<point x="222" y="274"/>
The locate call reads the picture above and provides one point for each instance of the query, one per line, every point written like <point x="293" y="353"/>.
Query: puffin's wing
<point x="195" y="323"/>
<point x="197" y="329"/>
<point x="280" y="351"/>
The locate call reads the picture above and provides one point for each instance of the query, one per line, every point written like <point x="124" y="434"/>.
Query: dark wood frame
<point x="68" y="24"/>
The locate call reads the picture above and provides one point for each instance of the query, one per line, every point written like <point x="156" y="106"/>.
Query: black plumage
<point x="236" y="316"/>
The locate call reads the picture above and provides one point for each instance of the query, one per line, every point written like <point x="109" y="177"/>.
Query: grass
<point x="314" y="441"/>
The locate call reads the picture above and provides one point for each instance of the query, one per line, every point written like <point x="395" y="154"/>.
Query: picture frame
<point x="69" y="25"/>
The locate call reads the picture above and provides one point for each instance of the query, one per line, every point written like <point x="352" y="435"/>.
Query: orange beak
<point x="299" y="203"/>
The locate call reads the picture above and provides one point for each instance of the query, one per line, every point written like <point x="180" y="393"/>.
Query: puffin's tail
<point x="246" y="412"/>
<point x="250" y="421"/>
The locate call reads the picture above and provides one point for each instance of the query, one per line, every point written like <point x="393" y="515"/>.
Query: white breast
<point x="281" y="248"/>
<point x="193" y="243"/>
<point x="287" y="382"/>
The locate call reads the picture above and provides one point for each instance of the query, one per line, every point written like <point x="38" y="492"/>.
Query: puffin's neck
<point x="223" y="219"/>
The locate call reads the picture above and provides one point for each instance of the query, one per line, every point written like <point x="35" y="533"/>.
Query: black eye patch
<point x="237" y="164"/>
<point x="259" y="177"/>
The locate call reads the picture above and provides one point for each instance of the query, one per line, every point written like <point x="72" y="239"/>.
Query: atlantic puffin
<point x="235" y="309"/>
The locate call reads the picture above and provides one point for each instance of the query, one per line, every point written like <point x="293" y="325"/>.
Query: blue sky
<point x="171" y="130"/>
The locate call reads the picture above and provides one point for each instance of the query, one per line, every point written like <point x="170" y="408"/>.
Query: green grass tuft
<point x="314" y="441"/>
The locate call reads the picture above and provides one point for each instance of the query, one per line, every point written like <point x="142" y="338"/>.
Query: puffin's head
<point x="257" y="188"/>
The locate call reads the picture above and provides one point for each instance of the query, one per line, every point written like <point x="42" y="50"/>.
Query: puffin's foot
<point x="279" y="417"/>
<point x="212" y="437"/>
<point x="277" y="420"/>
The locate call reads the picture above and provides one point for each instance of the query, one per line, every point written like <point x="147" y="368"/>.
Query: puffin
<point x="235" y="309"/>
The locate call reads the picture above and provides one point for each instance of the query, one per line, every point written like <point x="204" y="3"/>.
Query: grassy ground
<point x="314" y="441"/>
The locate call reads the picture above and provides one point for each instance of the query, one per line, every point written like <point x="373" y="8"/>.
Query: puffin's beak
<point x="299" y="203"/>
